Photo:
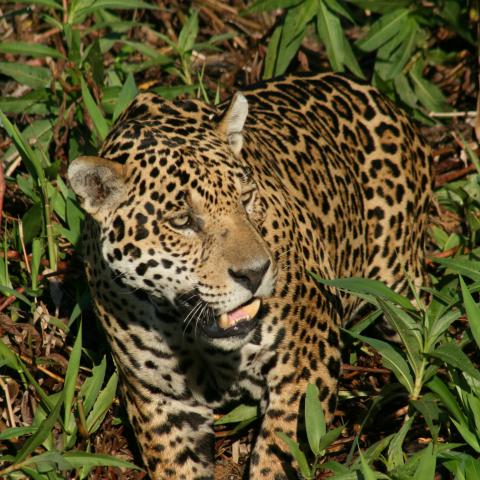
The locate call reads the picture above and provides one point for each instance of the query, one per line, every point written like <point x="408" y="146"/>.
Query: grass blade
<point x="297" y="454"/>
<point x="238" y="414"/>
<point x="99" y="122"/>
<point x="314" y="418"/>
<point x="429" y="94"/>
<point x="443" y="392"/>
<point x="407" y="329"/>
<point x="426" y="467"/>
<point x="392" y="360"/>
<point x="330" y="32"/>
<point x="41" y="434"/>
<point x="92" y="385"/>
<point x="71" y="377"/>
<point x="473" y="312"/>
<point x="35" y="77"/>
<point x="384" y="29"/>
<point x="103" y="403"/>
<point x="451" y="354"/>
<point x="366" y="286"/>
<point x="464" y="266"/>
<point x="29" y="49"/>
<point x="80" y="459"/>
<point x="125" y="97"/>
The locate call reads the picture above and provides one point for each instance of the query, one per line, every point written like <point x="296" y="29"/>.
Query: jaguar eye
<point x="247" y="197"/>
<point x="181" y="222"/>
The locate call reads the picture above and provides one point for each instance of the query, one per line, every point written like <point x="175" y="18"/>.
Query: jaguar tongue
<point x="243" y="313"/>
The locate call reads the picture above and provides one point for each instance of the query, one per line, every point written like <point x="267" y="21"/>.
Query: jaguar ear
<point x="100" y="183"/>
<point x="233" y="121"/>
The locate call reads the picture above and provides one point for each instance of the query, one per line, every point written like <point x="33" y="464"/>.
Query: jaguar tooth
<point x="241" y="314"/>
<point x="223" y="321"/>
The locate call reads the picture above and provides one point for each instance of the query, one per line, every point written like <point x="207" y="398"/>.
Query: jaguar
<point x="205" y="227"/>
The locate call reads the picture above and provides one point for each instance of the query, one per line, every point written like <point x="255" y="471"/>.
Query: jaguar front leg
<point x="271" y="457"/>
<point x="176" y="439"/>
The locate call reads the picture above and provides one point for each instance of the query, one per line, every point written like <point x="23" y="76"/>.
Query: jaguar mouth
<point x="237" y="322"/>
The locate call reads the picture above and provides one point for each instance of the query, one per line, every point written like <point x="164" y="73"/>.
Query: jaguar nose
<point x="250" y="278"/>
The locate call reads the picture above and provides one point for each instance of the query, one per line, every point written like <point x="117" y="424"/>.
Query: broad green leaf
<point x="173" y="92"/>
<point x="38" y="135"/>
<point x="443" y="392"/>
<point x="314" y="418"/>
<point x="9" y="358"/>
<point x="10" y="292"/>
<point x="80" y="459"/>
<point x="33" y="474"/>
<point x="35" y="77"/>
<point x="473" y="312"/>
<point x="404" y="53"/>
<point x="397" y="60"/>
<point x="396" y="456"/>
<point x="71" y="376"/>
<point x="337" y="7"/>
<point x="125" y="97"/>
<point x="72" y="37"/>
<point x="44" y="3"/>
<point x="330" y="32"/>
<point x="268" y="5"/>
<point x="368" y="286"/>
<point x="293" y="32"/>
<point x="426" y="467"/>
<point x="405" y="90"/>
<point x="470" y="437"/>
<point x="329" y="438"/>
<point x="101" y="125"/>
<point x="451" y="354"/>
<point x="386" y="51"/>
<point x="29" y="156"/>
<point x="33" y="102"/>
<point x="32" y="223"/>
<point x="368" y="473"/>
<point x="464" y="466"/>
<point x="238" y="414"/>
<point x="29" y="49"/>
<point x="339" y="470"/>
<point x="210" y="43"/>
<point x="440" y="237"/>
<point x="350" y="59"/>
<point x="429" y="94"/>
<point x="384" y="29"/>
<point x="439" y="327"/>
<point x="407" y="329"/>
<point x="473" y="404"/>
<point x="37" y="250"/>
<point x="365" y="322"/>
<point x="427" y="406"/>
<point x="74" y="218"/>
<point x="373" y="452"/>
<point x="41" y="434"/>
<point x="188" y="34"/>
<point x="16" y="432"/>
<point x="468" y="267"/>
<point x="381" y="6"/>
<point x="102" y="404"/>
<point x="94" y="57"/>
<point x="392" y="360"/>
<point x="48" y="461"/>
<point x="89" y="7"/>
<point x="272" y="52"/>
<point x="297" y="454"/>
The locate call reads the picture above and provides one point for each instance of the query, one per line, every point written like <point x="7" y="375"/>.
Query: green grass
<point x="61" y="95"/>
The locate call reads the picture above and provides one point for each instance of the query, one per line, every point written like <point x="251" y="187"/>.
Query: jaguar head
<point x="180" y="214"/>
